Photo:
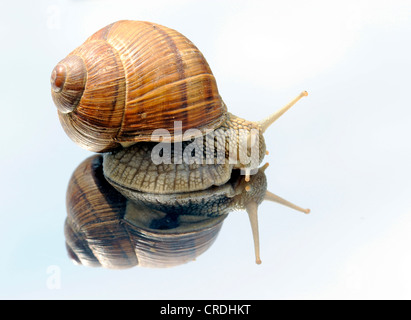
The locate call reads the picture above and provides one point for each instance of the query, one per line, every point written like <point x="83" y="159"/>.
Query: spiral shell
<point x="131" y="78"/>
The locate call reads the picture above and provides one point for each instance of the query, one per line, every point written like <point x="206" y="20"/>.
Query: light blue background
<point x="344" y="151"/>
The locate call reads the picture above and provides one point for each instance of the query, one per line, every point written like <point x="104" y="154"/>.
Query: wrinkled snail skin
<point x="133" y="168"/>
<point x="104" y="229"/>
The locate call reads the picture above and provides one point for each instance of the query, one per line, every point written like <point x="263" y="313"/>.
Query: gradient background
<point x="344" y="151"/>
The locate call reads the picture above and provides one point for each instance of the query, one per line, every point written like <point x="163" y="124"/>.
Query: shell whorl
<point x="141" y="77"/>
<point x="68" y="80"/>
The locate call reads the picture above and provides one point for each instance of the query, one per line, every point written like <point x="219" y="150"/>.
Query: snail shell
<point x="129" y="79"/>
<point x="103" y="228"/>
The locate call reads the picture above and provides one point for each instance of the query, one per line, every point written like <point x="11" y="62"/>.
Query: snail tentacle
<point x="265" y="123"/>
<point x="252" y="210"/>
<point x="269" y="196"/>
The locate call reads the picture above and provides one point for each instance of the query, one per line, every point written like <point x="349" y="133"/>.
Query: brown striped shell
<point x="131" y="78"/>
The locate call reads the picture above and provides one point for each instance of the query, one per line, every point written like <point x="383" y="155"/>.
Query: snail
<point x="132" y="80"/>
<point x="144" y="96"/>
<point x="103" y="228"/>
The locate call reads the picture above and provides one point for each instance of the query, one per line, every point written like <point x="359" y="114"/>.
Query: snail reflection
<point x="103" y="228"/>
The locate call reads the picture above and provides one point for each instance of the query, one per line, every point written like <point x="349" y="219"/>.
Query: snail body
<point x="136" y="167"/>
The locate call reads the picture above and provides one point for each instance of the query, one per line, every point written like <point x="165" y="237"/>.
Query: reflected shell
<point x="104" y="229"/>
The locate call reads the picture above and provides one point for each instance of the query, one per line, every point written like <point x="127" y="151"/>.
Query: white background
<point x="344" y="151"/>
